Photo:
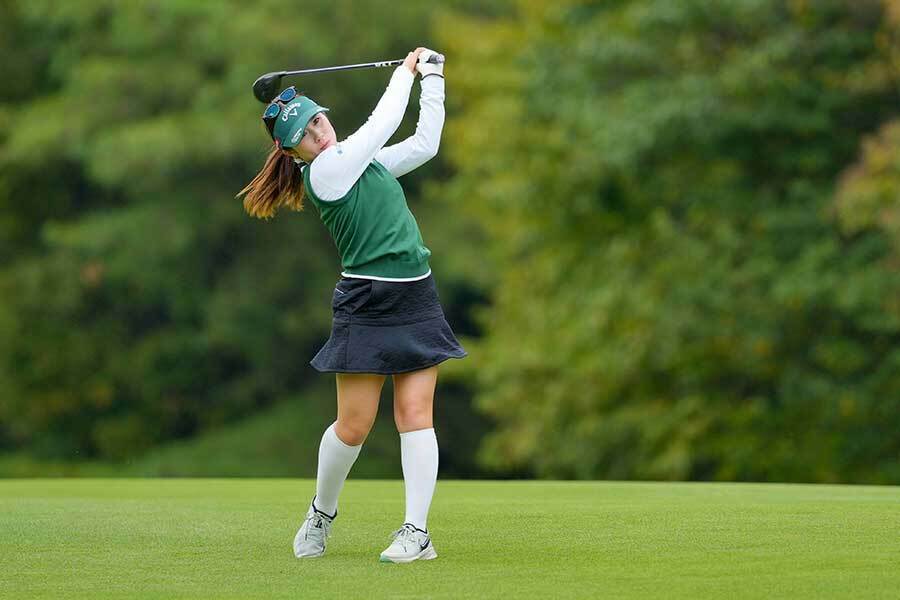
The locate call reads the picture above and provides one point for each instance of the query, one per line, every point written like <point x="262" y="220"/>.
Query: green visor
<point x="291" y="121"/>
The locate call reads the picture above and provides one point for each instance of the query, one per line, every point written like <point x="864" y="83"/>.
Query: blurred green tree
<point x="674" y="294"/>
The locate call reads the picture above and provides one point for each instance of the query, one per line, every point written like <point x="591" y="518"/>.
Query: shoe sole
<point x="426" y="554"/>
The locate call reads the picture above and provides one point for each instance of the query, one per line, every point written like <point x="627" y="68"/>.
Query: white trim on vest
<point x="352" y="276"/>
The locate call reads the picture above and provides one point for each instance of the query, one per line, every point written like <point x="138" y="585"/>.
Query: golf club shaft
<point x="436" y="58"/>
<point x="386" y="63"/>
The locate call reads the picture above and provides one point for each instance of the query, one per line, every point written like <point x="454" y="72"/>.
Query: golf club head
<point x="267" y="86"/>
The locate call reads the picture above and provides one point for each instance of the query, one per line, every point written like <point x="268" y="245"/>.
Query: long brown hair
<point x="279" y="183"/>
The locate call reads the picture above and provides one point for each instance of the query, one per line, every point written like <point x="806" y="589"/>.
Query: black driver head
<point x="267" y="86"/>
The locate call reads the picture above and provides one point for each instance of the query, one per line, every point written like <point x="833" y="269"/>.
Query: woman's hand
<point x="426" y="68"/>
<point x="411" y="59"/>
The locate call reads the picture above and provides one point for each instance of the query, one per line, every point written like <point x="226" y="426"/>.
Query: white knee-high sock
<point x="419" y="455"/>
<point x="335" y="460"/>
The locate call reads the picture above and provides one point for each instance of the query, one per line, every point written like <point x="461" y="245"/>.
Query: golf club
<point x="267" y="86"/>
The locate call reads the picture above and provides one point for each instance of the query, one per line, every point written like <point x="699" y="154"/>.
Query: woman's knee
<point x="410" y="416"/>
<point x="353" y="432"/>
<point x="413" y="399"/>
<point x="358" y="396"/>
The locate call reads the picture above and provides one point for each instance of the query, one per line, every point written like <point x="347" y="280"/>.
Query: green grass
<point x="214" y="538"/>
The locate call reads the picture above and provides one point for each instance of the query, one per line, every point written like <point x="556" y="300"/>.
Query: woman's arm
<point x="336" y="169"/>
<point x="419" y="148"/>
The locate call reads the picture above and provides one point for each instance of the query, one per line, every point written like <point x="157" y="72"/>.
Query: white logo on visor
<point x="290" y="111"/>
<point x="296" y="136"/>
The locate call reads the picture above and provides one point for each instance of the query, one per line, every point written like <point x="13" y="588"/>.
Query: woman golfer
<point x="388" y="319"/>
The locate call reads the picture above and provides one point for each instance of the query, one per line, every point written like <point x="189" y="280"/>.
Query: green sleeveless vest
<point x="373" y="228"/>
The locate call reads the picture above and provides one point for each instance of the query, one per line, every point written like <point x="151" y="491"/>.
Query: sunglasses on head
<point x="274" y="108"/>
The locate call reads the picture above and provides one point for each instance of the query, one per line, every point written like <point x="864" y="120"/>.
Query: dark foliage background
<point x="667" y="233"/>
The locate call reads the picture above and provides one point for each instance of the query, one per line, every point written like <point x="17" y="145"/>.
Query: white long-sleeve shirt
<point x="336" y="170"/>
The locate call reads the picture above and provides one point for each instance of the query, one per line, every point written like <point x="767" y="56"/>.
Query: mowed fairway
<point x="231" y="538"/>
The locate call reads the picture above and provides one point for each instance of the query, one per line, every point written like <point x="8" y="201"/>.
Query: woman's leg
<point x="413" y="414"/>
<point x="357" y="405"/>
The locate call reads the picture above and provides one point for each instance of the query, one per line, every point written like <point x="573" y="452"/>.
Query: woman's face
<point x="319" y="136"/>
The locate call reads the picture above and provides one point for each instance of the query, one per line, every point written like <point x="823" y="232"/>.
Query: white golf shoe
<point x="310" y="539"/>
<point x="410" y="543"/>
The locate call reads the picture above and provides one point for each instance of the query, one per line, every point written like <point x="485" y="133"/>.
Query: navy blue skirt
<point x="386" y="327"/>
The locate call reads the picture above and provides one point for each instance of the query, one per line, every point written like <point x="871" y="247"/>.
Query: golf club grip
<point x="435" y="59"/>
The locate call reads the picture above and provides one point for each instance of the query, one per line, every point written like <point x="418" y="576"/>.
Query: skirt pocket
<point x="350" y="295"/>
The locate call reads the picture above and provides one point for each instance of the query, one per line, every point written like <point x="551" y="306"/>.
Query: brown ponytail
<point x="279" y="183"/>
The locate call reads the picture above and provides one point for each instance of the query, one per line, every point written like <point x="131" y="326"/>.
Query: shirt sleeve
<point x="422" y="146"/>
<point x="335" y="171"/>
